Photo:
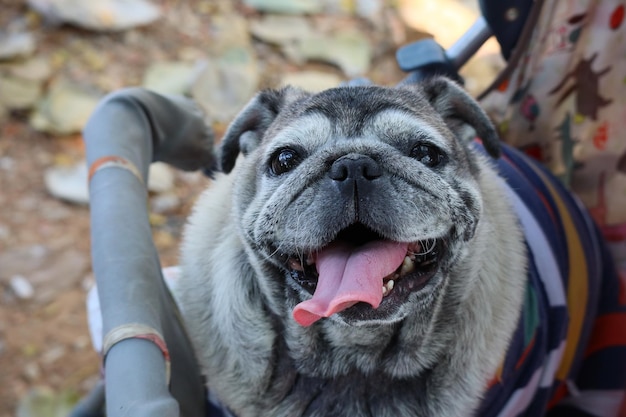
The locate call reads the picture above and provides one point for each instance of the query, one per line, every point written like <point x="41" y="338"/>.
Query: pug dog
<point x="356" y="257"/>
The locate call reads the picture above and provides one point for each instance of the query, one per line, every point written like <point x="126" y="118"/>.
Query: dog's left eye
<point x="428" y="155"/>
<point x="284" y="161"/>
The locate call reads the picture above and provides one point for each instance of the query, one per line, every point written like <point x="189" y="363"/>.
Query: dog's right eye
<point x="428" y="155"/>
<point x="284" y="161"/>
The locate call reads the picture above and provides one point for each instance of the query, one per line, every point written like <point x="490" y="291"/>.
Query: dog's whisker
<point x="425" y="249"/>
<point x="431" y="246"/>
<point x="269" y="256"/>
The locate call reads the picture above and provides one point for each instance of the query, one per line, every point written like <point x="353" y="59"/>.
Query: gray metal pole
<point x="140" y="126"/>
<point x="471" y="41"/>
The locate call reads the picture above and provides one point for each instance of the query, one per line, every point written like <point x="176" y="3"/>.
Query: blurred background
<point x="58" y="58"/>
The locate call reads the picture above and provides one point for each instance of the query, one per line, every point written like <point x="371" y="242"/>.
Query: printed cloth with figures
<point x="564" y="104"/>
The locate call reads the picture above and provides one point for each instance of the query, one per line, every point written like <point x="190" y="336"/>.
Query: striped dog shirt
<point x="568" y="353"/>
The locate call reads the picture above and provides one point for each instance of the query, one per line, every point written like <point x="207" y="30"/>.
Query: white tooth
<point x="407" y="266"/>
<point x="387" y="287"/>
<point x="295" y="265"/>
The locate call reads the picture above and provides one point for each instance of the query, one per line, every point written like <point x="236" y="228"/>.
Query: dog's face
<point x="361" y="257"/>
<point x="356" y="201"/>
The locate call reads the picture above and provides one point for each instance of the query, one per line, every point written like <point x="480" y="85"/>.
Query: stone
<point x="94" y="59"/>
<point x="5" y="233"/>
<point x="65" y="109"/>
<point x="164" y="203"/>
<point x="372" y="10"/>
<point x="169" y="77"/>
<point x="81" y="343"/>
<point x="53" y="354"/>
<point x="99" y="15"/>
<point x="369" y="9"/>
<point x="163" y="239"/>
<point x="22" y="261"/>
<point x="21" y="287"/>
<point x="68" y="183"/>
<point x="16" y="44"/>
<point x="350" y="50"/>
<point x="44" y="402"/>
<point x="62" y="271"/>
<point x="226" y="84"/>
<point x="193" y="178"/>
<point x="160" y="177"/>
<point x="18" y="93"/>
<point x="157" y="220"/>
<point x="7" y="163"/>
<point x="88" y="282"/>
<point x="228" y="32"/>
<point x="31" y="371"/>
<point x="286" y="6"/>
<point x="313" y="81"/>
<point x="190" y="54"/>
<point x="49" y="272"/>
<point x="54" y="211"/>
<point x="281" y="30"/>
<point x="32" y="69"/>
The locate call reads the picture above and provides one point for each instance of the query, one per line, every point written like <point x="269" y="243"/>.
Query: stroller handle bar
<point x="468" y="44"/>
<point x="426" y="58"/>
<point x="141" y="323"/>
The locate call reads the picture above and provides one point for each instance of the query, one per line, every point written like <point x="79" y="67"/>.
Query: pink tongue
<point x="348" y="275"/>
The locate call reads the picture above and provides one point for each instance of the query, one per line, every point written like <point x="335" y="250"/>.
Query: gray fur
<point x="430" y="356"/>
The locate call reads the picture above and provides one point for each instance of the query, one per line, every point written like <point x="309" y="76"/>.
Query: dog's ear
<point x="460" y="111"/>
<point x="247" y="129"/>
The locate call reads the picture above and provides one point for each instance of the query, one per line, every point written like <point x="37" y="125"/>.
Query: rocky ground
<point x="59" y="57"/>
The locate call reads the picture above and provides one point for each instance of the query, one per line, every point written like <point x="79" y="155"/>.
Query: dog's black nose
<point x="355" y="167"/>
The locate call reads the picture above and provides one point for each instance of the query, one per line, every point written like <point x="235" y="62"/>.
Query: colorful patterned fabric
<point x="564" y="103"/>
<point x="568" y="353"/>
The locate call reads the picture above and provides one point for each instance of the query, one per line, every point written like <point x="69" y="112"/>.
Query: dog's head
<point x="357" y="200"/>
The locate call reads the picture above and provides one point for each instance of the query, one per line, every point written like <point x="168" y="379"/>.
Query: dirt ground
<point x="44" y="340"/>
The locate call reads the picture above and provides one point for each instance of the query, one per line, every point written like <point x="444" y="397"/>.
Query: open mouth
<point x="361" y="267"/>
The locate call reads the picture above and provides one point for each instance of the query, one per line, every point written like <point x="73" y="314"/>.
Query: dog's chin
<point x="409" y="287"/>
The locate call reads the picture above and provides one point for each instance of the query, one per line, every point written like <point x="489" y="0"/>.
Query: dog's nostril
<point x="354" y="166"/>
